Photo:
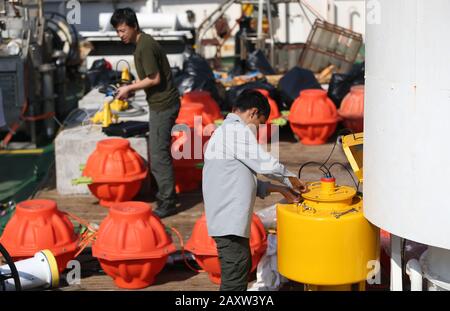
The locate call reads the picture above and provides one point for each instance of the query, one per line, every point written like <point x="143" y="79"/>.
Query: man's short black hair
<point x="124" y="16"/>
<point x="249" y="99"/>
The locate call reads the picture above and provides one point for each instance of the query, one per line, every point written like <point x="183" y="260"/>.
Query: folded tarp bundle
<point x="127" y="129"/>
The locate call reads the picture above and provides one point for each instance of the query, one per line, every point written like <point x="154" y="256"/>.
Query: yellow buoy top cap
<point x="327" y="191"/>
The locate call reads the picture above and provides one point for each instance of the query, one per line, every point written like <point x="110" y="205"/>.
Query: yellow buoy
<point x="325" y="242"/>
<point x="105" y="116"/>
<point x="119" y="105"/>
<point x="125" y="76"/>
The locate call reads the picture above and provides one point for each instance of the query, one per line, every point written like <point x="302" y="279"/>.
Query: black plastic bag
<point x="186" y="83"/>
<point x="293" y="82"/>
<point x="196" y="75"/>
<point x="101" y="73"/>
<point x="233" y="93"/>
<point x="257" y="61"/>
<point x="340" y="84"/>
<point x="196" y="65"/>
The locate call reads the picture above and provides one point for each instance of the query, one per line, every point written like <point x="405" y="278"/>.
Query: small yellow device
<point x="125" y="77"/>
<point x="247" y="9"/>
<point x="105" y="116"/>
<point x="119" y="105"/>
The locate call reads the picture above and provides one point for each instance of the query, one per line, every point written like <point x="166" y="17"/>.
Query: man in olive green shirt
<point x="155" y="78"/>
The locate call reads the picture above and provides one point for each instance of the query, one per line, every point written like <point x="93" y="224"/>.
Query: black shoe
<point x="165" y="212"/>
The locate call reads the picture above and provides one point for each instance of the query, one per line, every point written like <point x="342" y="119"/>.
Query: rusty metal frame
<point x="337" y="31"/>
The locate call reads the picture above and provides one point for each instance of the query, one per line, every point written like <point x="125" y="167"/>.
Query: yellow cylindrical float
<point x="125" y="76"/>
<point x="325" y="242"/>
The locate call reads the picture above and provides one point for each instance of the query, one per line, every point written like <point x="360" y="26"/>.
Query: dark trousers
<point x="160" y="139"/>
<point x="235" y="262"/>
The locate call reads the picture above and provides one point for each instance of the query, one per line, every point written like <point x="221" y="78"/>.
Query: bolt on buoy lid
<point x="37" y="225"/>
<point x="131" y="232"/>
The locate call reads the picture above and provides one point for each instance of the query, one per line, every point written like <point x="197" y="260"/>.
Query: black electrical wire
<point x="340" y="133"/>
<point x="14" y="274"/>
<point x="348" y="171"/>
<point x="324" y="170"/>
<point x="123" y="60"/>
<point x="329" y="157"/>
<point x="327" y="170"/>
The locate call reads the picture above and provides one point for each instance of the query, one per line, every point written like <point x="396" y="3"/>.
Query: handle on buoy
<point x="83" y="180"/>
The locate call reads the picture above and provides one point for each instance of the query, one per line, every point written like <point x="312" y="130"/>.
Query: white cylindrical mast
<point x="407" y="119"/>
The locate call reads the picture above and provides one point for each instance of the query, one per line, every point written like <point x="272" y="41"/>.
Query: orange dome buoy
<point x="132" y="245"/>
<point x="210" y="106"/>
<point x="37" y="225"/>
<point x="205" y="250"/>
<point x="188" y="147"/>
<point x="274" y="111"/>
<point x="188" y="112"/>
<point x="188" y="174"/>
<point x="116" y="170"/>
<point x="267" y="131"/>
<point x="313" y="117"/>
<point x="352" y="109"/>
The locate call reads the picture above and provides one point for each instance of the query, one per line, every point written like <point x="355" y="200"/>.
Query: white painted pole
<point x="414" y="271"/>
<point x="396" y="263"/>
<point x="260" y="18"/>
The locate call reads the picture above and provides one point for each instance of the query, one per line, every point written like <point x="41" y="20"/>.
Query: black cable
<point x="325" y="172"/>
<point x="329" y="157"/>
<point x="348" y="171"/>
<point x="340" y="133"/>
<point x="14" y="273"/>
<point x="403" y="262"/>
<point x="123" y="60"/>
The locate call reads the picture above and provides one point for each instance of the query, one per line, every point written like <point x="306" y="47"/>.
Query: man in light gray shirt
<point x="232" y="159"/>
